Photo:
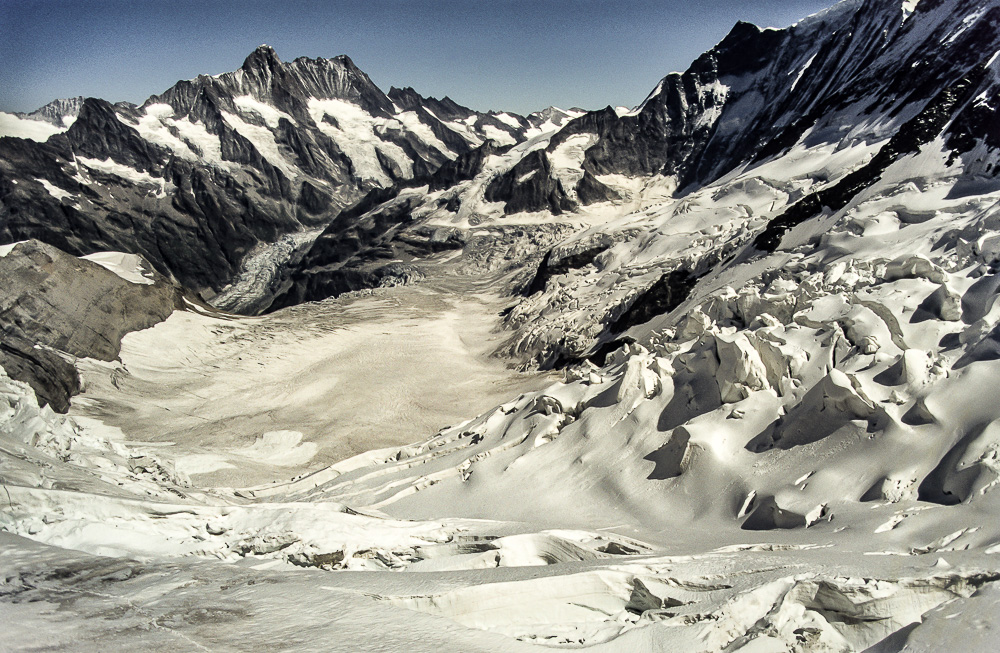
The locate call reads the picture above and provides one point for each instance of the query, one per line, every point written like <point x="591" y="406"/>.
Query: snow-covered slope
<point x="54" y="118"/>
<point x="196" y="178"/>
<point x="769" y="294"/>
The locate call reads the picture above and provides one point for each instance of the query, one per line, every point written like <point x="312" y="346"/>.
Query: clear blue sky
<point x="487" y="54"/>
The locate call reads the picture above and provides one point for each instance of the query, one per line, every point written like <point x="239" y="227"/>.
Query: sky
<point x="510" y="55"/>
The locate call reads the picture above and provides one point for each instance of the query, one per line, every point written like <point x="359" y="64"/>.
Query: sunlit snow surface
<point x="604" y="510"/>
<point x="358" y="134"/>
<point x="35" y="130"/>
<point x="130" y="267"/>
<point x="160" y="186"/>
<point x="804" y="455"/>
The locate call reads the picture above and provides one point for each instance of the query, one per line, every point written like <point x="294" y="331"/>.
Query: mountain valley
<point x="294" y="364"/>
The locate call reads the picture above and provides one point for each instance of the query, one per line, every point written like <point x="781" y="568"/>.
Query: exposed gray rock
<point x="736" y="102"/>
<point x="195" y="213"/>
<point x="55" y="307"/>
<point x="590" y="191"/>
<point x="529" y="186"/>
<point x="56" y="111"/>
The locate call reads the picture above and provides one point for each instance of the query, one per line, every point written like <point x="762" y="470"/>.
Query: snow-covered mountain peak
<point x="757" y="319"/>
<point x="42" y="123"/>
<point x="60" y="113"/>
<point x="832" y="13"/>
<point x="297" y="141"/>
<point x="263" y="55"/>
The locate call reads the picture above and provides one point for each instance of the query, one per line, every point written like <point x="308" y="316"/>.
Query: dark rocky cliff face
<point x="757" y="92"/>
<point x="55" y="307"/>
<point x="674" y="125"/>
<point x="529" y="186"/>
<point x="197" y="176"/>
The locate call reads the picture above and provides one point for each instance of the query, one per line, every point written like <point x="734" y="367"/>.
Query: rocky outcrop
<point x="352" y="252"/>
<point x="463" y="168"/>
<point x="667" y="293"/>
<point x="57" y="112"/>
<point x="53" y="378"/>
<point x="590" y="191"/>
<point x="674" y="126"/>
<point x="914" y="134"/>
<point x="446" y="108"/>
<point x="554" y="263"/>
<point x="55" y="307"/>
<point x="198" y="176"/>
<point x="529" y="186"/>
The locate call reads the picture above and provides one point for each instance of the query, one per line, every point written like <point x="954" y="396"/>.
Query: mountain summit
<point x="219" y="164"/>
<point x="713" y="374"/>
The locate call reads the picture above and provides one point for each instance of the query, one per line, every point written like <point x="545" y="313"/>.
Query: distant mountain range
<point x="761" y="312"/>
<point x="193" y="179"/>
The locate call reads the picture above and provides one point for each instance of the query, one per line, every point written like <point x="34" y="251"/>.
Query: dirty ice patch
<point x="130" y="267"/>
<point x="282" y="448"/>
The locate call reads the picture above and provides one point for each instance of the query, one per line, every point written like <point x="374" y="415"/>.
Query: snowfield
<point x="753" y="412"/>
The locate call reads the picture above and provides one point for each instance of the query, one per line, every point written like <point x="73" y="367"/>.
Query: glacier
<point x="714" y="373"/>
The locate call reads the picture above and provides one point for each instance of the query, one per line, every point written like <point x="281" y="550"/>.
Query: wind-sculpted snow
<point x="764" y="301"/>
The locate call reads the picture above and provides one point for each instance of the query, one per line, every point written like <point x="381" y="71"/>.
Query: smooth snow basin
<point x="249" y="400"/>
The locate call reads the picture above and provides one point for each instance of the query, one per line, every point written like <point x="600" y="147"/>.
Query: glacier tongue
<point x="716" y="374"/>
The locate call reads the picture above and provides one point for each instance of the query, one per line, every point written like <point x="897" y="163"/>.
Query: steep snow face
<point x="414" y="123"/>
<point x="187" y="140"/>
<point x="758" y="92"/>
<point x="358" y="135"/>
<point x="268" y="113"/>
<point x="264" y="142"/>
<point x="567" y="159"/>
<point x="548" y="120"/>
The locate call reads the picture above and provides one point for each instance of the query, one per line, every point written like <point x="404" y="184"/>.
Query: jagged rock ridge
<point x="776" y="426"/>
<point x="197" y="177"/>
